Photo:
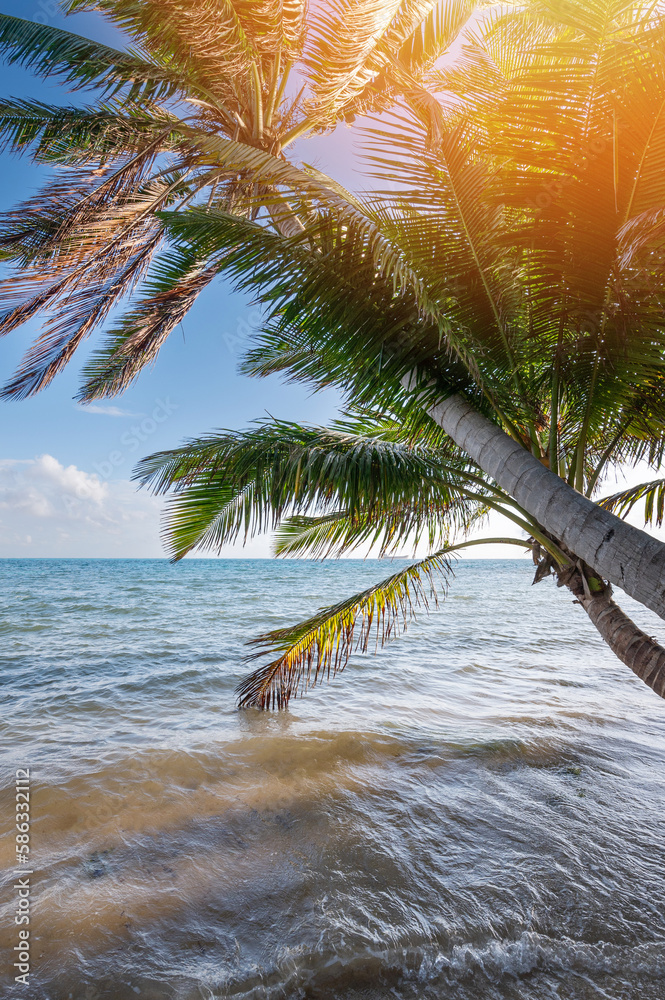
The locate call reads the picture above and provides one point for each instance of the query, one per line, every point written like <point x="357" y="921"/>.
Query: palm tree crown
<point x="519" y="263"/>
<point x="197" y="112"/>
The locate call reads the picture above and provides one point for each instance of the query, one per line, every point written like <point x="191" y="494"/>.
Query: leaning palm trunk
<point x="639" y="651"/>
<point x="618" y="552"/>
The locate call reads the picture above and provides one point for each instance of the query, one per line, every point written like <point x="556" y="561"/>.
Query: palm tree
<point x="370" y="479"/>
<point x="512" y="292"/>
<point x="198" y="112"/>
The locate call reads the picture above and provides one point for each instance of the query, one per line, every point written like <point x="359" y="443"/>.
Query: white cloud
<point x="51" y="510"/>
<point x="107" y="411"/>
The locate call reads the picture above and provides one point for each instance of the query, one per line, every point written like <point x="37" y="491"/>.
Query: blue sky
<point x="194" y="386"/>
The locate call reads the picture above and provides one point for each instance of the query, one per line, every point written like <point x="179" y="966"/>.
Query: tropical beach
<point x="332" y="547"/>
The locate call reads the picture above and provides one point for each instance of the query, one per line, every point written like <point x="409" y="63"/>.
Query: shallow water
<point x="477" y="812"/>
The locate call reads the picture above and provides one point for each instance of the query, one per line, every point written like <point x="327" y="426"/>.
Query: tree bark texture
<point x="635" y="648"/>
<point x="616" y="551"/>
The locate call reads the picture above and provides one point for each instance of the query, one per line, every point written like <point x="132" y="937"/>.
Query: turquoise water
<point x="476" y="812"/>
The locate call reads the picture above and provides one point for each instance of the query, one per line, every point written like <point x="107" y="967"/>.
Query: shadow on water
<point x="343" y="864"/>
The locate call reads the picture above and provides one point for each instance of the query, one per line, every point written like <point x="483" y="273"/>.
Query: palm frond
<point x="362" y="53"/>
<point x="81" y="62"/>
<point x="99" y="245"/>
<point x="75" y="216"/>
<point x="653" y="495"/>
<point x="169" y="293"/>
<point x="79" y="135"/>
<point x="243" y="483"/>
<point x="314" y="536"/>
<point x="320" y="647"/>
<point x="344" y="276"/>
<point x="430" y="517"/>
<point x="78" y="313"/>
<point x="279" y="182"/>
<point x="213" y="45"/>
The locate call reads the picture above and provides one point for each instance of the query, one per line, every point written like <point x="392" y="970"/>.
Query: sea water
<point x="475" y="812"/>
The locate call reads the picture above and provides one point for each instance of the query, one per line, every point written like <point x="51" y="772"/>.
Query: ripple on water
<point x="476" y="813"/>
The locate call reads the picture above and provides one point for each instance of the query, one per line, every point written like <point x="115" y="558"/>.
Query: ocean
<point x="478" y="811"/>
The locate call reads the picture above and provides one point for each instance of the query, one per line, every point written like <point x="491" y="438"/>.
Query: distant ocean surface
<point x="478" y="812"/>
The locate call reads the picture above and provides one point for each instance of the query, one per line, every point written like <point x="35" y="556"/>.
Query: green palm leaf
<point x="75" y="135"/>
<point x="652" y="493"/>
<point x="347" y="277"/>
<point x="244" y="483"/>
<point x="321" y="646"/>
<point x="273" y="174"/>
<point x="50" y="51"/>
<point x="402" y="525"/>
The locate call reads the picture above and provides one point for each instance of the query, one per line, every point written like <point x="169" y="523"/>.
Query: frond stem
<point x="531" y="527"/>
<point x="258" y="103"/>
<point x="607" y="454"/>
